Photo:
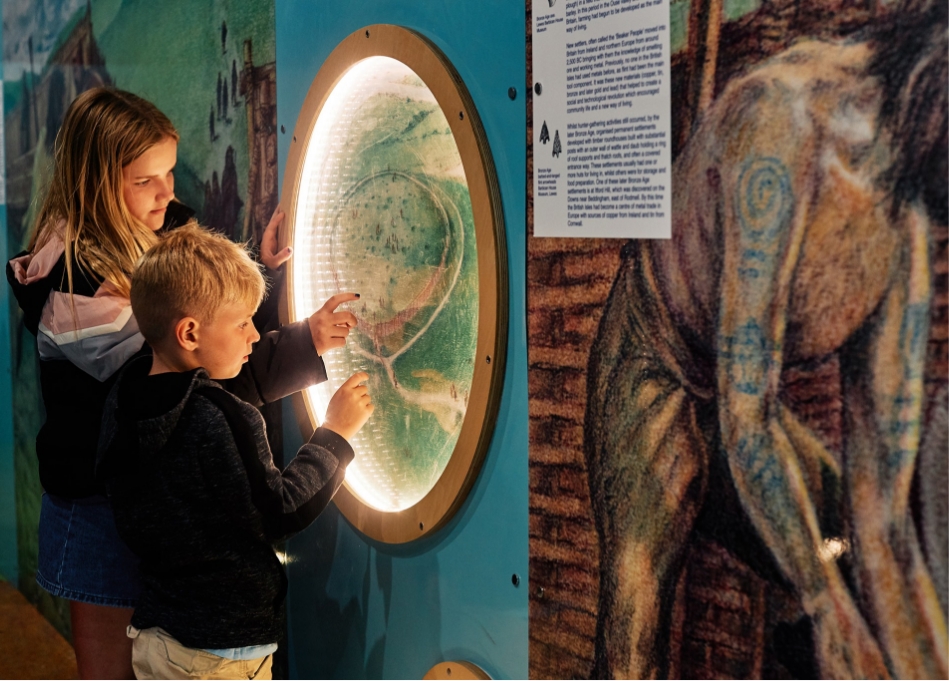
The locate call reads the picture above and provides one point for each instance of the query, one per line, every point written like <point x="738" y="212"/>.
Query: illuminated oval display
<point x="392" y="196"/>
<point x="384" y="211"/>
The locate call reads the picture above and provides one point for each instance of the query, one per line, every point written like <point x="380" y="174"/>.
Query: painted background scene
<point x="210" y="67"/>
<point x="738" y="436"/>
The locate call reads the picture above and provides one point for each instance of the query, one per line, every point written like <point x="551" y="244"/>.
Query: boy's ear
<point x="186" y="333"/>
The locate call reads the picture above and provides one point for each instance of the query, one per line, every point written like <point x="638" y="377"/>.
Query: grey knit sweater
<point x="197" y="497"/>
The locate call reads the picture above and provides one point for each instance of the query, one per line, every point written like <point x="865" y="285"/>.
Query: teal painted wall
<point x="9" y="568"/>
<point x="9" y="564"/>
<point x="358" y="608"/>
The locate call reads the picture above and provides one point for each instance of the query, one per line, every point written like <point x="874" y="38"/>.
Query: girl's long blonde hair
<point x="103" y="131"/>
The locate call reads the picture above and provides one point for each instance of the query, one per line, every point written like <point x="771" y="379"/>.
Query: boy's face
<point x="226" y="343"/>
<point x="148" y="183"/>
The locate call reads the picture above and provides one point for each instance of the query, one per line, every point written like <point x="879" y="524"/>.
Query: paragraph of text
<point x="614" y="169"/>
<point x="610" y="72"/>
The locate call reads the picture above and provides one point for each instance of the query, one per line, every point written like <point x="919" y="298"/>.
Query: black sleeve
<point x="267" y="317"/>
<point x="291" y="499"/>
<point x="176" y="215"/>
<point x="31" y="298"/>
<point x="283" y="362"/>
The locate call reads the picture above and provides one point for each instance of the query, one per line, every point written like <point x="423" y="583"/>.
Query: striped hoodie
<point x="84" y="339"/>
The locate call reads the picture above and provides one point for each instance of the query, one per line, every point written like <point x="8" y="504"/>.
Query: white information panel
<point x="602" y="119"/>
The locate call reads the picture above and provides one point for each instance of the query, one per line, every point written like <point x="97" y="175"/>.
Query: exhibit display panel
<point x="390" y="193"/>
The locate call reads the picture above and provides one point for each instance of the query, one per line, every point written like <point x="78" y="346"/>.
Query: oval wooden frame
<point x="426" y="60"/>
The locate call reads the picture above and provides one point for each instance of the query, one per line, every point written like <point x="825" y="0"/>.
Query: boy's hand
<point x="328" y="327"/>
<point x="350" y="407"/>
<point x="268" y="243"/>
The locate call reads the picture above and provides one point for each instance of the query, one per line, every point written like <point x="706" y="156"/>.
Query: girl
<point x="111" y="195"/>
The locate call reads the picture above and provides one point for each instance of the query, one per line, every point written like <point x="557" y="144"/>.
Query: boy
<point x="190" y="474"/>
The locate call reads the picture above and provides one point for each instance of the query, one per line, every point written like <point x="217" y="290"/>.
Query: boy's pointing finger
<point x="355" y="379"/>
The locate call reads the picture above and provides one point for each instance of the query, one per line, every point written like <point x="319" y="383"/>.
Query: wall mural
<point x="739" y="436"/>
<point x="210" y="67"/>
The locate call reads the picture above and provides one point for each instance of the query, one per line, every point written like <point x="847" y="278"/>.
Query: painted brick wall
<point x="568" y="281"/>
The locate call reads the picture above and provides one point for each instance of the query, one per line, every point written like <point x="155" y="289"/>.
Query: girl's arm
<point x="289" y="358"/>
<point x="283" y="362"/>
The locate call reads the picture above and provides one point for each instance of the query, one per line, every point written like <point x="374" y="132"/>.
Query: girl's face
<point x="148" y="183"/>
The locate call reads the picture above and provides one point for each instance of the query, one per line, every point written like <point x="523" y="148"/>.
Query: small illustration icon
<point x="557" y="148"/>
<point x="552" y="2"/>
<point x="544" y="134"/>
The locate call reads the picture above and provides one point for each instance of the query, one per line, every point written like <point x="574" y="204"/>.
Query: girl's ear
<point x="186" y="333"/>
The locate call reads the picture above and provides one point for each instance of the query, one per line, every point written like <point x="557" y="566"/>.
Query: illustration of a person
<point x="803" y="205"/>
<point x="212" y="202"/>
<point x="230" y="200"/>
<point x="234" y="82"/>
<point x="224" y="100"/>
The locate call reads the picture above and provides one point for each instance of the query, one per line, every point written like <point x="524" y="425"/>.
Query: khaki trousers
<point x="157" y="655"/>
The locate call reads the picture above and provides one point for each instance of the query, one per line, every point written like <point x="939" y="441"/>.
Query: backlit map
<point x="384" y="211"/>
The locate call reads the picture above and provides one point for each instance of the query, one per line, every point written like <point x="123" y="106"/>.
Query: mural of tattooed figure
<point x="802" y="211"/>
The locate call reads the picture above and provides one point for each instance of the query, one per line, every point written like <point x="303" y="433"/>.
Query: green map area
<point x="388" y="215"/>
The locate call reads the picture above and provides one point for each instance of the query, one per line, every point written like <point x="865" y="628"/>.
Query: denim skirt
<point x="81" y="557"/>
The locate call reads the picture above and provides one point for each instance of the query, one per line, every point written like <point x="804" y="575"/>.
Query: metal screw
<point x="539" y="592"/>
<point x="461" y="115"/>
<point x="488" y="359"/>
<point x="512" y="93"/>
<point x="421" y="526"/>
<point x="538" y="88"/>
<point x="367" y="34"/>
<point x="515" y="580"/>
<point x="283" y="130"/>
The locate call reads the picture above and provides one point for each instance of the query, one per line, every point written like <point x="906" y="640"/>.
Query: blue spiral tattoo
<point x="765" y="201"/>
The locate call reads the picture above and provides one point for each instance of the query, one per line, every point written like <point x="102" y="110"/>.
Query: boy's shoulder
<point x="216" y="413"/>
<point x="144" y="413"/>
<point x="214" y="402"/>
<point x="202" y="404"/>
<point x="212" y="406"/>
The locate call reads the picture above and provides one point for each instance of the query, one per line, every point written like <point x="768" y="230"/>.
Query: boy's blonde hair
<point x="103" y="131"/>
<point x="191" y="272"/>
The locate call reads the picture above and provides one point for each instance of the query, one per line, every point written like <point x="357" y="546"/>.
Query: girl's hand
<point x="268" y="243"/>
<point x="328" y="327"/>
<point x="350" y="407"/>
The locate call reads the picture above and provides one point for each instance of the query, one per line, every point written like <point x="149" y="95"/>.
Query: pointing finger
<point x="355" y="379"/>
<point x="339" y="299"/>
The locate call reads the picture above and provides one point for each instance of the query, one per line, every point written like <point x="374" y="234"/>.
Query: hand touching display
<point x="330" y="328"/>
<point x="350" y="407"/>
